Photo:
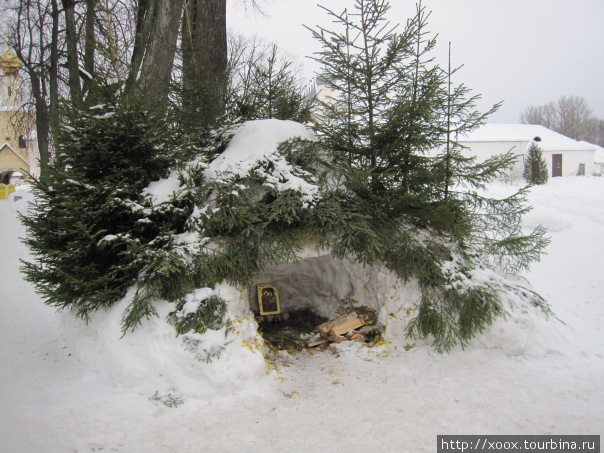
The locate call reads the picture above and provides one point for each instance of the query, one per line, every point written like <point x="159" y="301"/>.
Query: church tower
<point x="10" y="80"/>
<point x="15" y="123"/>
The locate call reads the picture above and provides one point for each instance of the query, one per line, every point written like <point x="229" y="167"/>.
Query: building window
<point x="10" y="91"/>
<point x="22" y="142"/>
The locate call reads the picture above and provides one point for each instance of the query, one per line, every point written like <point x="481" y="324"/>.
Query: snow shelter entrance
<point x="311" y="292"/>
<point x="556" y="165"/>
<point x="317" y="284"/>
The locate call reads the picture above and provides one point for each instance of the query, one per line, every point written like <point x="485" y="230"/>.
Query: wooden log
<point x="341" y="324"/>
<point x="337" y="338"/>
<point x="324" y="328"/>
<point x="347" y="325"/>
<point x="357" y="336"/>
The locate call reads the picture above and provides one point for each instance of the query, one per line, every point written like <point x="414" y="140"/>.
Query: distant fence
<point x="6" y="190"/>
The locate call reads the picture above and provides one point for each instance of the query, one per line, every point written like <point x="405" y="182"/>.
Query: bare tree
<point x="264" y="83"/>
<point x="599" y="127"/>
<point x="115" y="34"/>
<point x="66" y="44"/>
<point x="34" y="35"/>
<point x="570" y="116"/>
<point x="62" y="44"/>
<point x="545" y="115"/>
<point x="576" y="118"/>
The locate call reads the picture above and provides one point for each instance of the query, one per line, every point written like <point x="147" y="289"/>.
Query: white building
<point x="564" y="156"/>
<point x="599" y="160"/>
<point x="318" y="89"/>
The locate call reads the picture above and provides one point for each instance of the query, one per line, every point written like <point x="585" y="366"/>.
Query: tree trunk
<point x="204" y="48"/>
<point x="43" y="119"/>
<point x="155" y="46"/>
<point x="42" y="115"/>
<point x="71" y="38"/>
<point x="142" y="33"/>
<point x="90" y="42"/>
<point x="48" y="120"/>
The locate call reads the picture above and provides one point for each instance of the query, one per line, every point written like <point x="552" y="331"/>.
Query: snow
<point x="193" y="301"/>
<point x="255" y="143"/>
<point x="163" y="190"/>
<point x="599" y="156"/>
<point x="85" y="73"/>
<point x="104" y="116"/>
<point x="70" y="387"/>
<point x="108" y="238"/>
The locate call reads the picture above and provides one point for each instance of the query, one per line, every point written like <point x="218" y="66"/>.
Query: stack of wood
<point x="356" y="325"/>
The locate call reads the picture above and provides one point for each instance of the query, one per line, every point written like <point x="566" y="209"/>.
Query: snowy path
<point x="524" y="376"/>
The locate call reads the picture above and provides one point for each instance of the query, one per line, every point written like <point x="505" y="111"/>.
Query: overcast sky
<point x="522" y="52"/>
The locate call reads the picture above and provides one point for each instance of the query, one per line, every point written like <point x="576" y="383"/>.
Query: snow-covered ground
<point x="66" y="387"/>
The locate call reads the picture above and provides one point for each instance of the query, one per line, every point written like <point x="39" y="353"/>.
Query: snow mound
<point x="254" y="141"/>
<point x="254" y="147"/>
<point x="155" y="363"/>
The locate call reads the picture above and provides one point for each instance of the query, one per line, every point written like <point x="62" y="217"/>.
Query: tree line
<point x="570" y="116"/>
<point x="171" y="53"/>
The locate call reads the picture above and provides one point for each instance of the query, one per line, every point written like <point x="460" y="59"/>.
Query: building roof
<point x="10" y="148"/>
<point x="599" y="156"/>
<point x="9" y="62"/>
<point x="548" y="140"/>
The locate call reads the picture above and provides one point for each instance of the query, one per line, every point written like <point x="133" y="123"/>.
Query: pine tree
<point x="535" y="168"/>
<point x="90" y="218"/>
<point x="389" y="111"/>
<point x="414" y="210"/>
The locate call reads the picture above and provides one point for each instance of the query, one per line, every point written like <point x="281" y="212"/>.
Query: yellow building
<point x="15" y="122"/>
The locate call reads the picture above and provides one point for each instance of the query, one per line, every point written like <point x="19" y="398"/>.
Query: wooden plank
<point x="350" y="323"/>
<point x="337" y="338"/>
<point x="347" y="320"/>
<point x="314" y="344"/>
<point x="327" y="326"/>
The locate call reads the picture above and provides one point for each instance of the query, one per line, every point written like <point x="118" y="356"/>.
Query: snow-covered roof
<point x="599" y="156"/>
<point x="549" y="140"/>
